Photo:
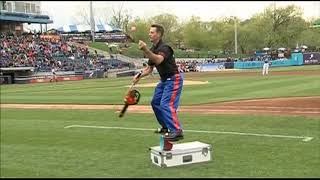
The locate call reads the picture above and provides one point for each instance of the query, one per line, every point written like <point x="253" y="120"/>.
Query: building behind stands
<point x="14" y="13"/>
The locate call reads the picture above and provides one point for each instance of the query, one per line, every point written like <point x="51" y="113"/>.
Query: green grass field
<point x="111" y="91"/>
<point x="34" y="143"/>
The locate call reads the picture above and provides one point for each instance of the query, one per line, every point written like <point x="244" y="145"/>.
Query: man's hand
<point x="155" y="58"/>
<point x="142" y="45"/>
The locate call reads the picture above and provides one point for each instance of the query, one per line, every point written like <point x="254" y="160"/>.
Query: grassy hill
<point x="133" y="51"/>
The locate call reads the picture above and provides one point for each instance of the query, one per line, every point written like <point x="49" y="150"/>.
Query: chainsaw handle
<point x="138" y="76"/>
<point x="124" y="109"/>
<point x="140" y="73"/>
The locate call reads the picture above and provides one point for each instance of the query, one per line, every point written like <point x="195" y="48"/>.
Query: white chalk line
<point x="250" y="107"/>
<point x="304" y="138"/>
<point x="186" y="107"/>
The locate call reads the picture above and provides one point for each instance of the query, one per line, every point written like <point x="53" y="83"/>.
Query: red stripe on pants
<point x="172" y="99"/>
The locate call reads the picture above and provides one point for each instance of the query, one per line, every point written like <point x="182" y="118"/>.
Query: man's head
<point x="155" y="33"/>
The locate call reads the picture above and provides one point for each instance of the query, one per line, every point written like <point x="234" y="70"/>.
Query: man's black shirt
<point x="167" y="67"/>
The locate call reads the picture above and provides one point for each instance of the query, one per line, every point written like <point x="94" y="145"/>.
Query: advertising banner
<point x="50" y="37"/>
<point x="311" y="58"/>
<point x="210" y="67"/>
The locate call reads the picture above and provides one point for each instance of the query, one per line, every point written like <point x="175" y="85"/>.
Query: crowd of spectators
<point x="45" y="54"/>
<point x="188" y="66"/>
<point x="31" y="50"/>
<point x="193" y="66"/>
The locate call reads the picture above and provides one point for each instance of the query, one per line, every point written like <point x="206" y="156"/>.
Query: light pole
<point x="92" y="22"/>
<point x="235" y="36"/>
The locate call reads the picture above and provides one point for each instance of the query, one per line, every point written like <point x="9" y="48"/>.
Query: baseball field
<point x="258" y="126"/>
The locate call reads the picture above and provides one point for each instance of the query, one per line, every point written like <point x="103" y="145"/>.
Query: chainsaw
<point x="132" y="97"/>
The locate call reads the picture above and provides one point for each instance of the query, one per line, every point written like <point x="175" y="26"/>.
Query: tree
<point x="251" y="35"/>
<point x="82" y="16"/>
<point x="280" y="19"/>
<point x="193" y="33"/>
<point x="178" y="35"/>
<point x="170" y="25"/>
<point x="310" y="37"/>
<point x="142" y="30"/>
<point x="120" y="18"/>
<point x="273" y="28"/>
<point x="214" y="35"/>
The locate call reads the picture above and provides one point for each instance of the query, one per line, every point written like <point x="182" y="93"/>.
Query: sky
<point x="68" y="12"/>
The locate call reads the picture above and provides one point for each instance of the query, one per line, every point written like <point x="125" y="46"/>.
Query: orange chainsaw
<point x="132" y="97"/>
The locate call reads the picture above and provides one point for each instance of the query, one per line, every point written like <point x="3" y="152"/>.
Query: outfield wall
<point x="295" y="60"/>
<point x="47" y="77"/>
<point x="210" y="67"/>
<point x="59" y="78"/>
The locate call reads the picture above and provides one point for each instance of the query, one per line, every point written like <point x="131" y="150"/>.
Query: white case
<point x="180" y="154"/>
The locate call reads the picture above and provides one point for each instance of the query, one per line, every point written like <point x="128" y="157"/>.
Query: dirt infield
<point x="292" y="106"/>
<point x="251" y="73"/>
<point x="185" y="82"/>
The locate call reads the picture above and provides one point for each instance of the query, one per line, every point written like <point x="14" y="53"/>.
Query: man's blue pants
<point x="165" y="102"/>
